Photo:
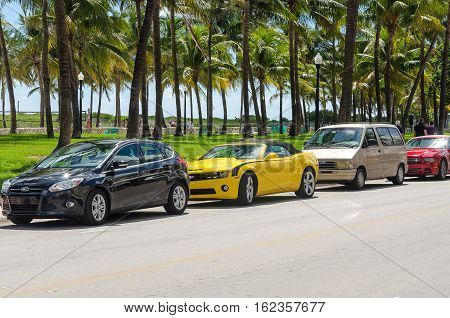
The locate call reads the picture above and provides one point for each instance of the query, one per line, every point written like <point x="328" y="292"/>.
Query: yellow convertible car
<point x="242" y="171"/>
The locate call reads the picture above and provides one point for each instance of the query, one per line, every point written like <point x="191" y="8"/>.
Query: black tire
<point x="20" y="220"/>
<point x="178" y="199"/>
<point x="247" y="189"/>
<point x="359" y="182"/>
<point x="443" y="169"/>
<point x="96" y="209"/>
<point x="400" y="176"/>
<point x="307" y="185"/>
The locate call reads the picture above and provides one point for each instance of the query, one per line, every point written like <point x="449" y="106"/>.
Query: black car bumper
<point x="64" y="204"/>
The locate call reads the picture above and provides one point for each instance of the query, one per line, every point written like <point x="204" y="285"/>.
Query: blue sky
<point x="31" y="103"/>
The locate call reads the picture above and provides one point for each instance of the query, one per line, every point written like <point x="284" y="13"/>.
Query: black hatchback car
<point x="90" y="180"/>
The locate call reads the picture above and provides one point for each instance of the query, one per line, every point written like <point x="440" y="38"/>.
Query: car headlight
<point x="428" y="160"/>
<point x="345" y="165"/>
<point x="5" y="186"/>
<point x="65" y="185"/>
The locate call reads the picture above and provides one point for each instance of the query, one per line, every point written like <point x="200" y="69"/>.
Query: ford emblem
<point x="25" y="189"/>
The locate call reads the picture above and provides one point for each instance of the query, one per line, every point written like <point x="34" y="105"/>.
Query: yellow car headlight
<point x="345" y="165"/>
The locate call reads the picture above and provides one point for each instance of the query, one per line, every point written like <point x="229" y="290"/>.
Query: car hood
<point x="215" y="165"/>
<point x="333" y="153"/>
<point x="47" y="177"/>
<point x="423" y="152"/>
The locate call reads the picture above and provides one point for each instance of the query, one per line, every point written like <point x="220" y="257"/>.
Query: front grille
<point x="327" y="165"/>
<point x="412" y="161"/>
<point x="202" y="191"/>
<point x="31" y="190"/>
<point x="203" y="176"/>
<point x="25" y="203"/>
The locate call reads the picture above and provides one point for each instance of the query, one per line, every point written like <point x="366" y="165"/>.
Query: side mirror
<point x="119" y="164"/>
<point x="271" y="156"/>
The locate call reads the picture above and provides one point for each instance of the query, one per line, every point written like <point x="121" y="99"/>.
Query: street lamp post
<point x="185" y="101"/>
<point x="81" y="79"/>
<point x="318" y="61"/>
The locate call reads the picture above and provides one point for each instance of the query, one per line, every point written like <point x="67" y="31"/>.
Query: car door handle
<point x="379" y="150"/>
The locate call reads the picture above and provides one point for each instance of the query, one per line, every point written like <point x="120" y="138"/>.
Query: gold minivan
<point x="353" y="153"/>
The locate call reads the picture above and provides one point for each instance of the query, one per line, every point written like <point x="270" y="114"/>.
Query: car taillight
<point x="182" y="162"/>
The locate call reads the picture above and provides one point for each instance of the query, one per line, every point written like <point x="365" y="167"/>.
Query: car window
<point x="166" y="151"/>
<point x="129" y="154"/>
<point x="385" y="137"/>
<point x="279" y="150"/>
<point x="370" y="136"/>
<point x="398" y="140"/>
<point x="151" y="152"/>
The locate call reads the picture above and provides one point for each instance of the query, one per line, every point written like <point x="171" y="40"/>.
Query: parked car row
<point x="92" y="180"/>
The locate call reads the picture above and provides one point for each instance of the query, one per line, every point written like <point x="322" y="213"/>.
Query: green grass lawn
<point x="20" y="152"/>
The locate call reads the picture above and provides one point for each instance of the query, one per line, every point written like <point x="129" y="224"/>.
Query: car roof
<point x="432" y="136"/>
<point x="360" y="125"/>
<point x="267" y="142"/>
<point x="118" y="141"/>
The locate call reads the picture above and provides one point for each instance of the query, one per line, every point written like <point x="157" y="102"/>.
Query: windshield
<point x="336" y="138"/>
<point x="435" y="143"/>
<point x="235" y="151"/>
<point x="79" y="155"/>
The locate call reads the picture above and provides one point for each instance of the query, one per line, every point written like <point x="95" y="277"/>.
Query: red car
<point x="429" y="155"/>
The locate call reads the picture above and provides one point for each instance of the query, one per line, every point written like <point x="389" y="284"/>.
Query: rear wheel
<point x="96" y="208"/>
<point x="307" y="185"/>
<point x="21" y="220"/>
<point x="443" y="169"/>
<point x="359" y="181"/>
<point x="400" y="177"/>
<point x="247" y="189"/>
<point x="178" y="199"/>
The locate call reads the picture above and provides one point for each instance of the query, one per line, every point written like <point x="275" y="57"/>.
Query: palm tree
<point x="9" y="80"/>
<point x="64" y="74"/>
<point x="172" y="6"/>
<point x="139" y="64"/>
<point x="45" y="70"/>
<point x="349" y="52"/>
<point x="157" y="130"/>
<point x="247" y="131"/>
<point x="444" y="76"/>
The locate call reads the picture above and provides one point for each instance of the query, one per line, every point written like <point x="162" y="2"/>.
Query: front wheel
<point x="96" y="208"/>
<point x="400" y="177"/>
<point x="442" y="173"/>
<point x="21" y="220"/>
<point x="178" y="199"/>
<point x="359" y="181"/>
<point x="307" y="185"/>
<point x="247" y="189"/>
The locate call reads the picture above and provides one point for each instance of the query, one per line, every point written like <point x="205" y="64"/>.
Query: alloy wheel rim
<point x="443" y="169"/>
<point x="401" y="173"/>
<point x="309" y="183"/>
<point x="179" y="197"/>
<point x="249" y="189"/>
<point x="361" y="178"/>
<point x="98" y="207"/>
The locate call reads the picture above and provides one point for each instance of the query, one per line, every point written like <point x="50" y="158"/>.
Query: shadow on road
<point x="117" y="219"/>
<point x="368" y="187"/>
<point x="231" y="204"/>
<point x="427" y="179"/>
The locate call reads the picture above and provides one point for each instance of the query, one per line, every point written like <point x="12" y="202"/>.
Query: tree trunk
<point x="306" y="115"/>
<point x="64" y="74"/>
<point x="355" y="103"/>
<point x="369" y="106"/>
<point x="387" y="74"/>
<point x="139" y="65"/>
<point x="209" y="90"/>
<point x="45" y="70"/>
<point x="255" y="100"/>
<point x="3" y="104"/>
<point x="333" y="85"/>
<point x="199" y="108"/>
<point x="9" y="81"/>
<point x="157" y="130"/>
<point x="91" y="106"/>
<point x="377" y="72"/>
<point x="349" y="52"/>
<point x="423" y="100"/>
<point x="74" y="95"/>
<point x="225" y="112"/>
<point x="444" y="76"/>
<point x="191" y="105"/>
<point x="292" y="65"/>
<point x="299" y="120"/>
<point x="118" y="112"/>
<point x="281" y="111"/>
<point x="178" y="131"/>
<point x="99" y="107"/>
<point x="41" y="93"/>
<point x="262" y="98"/>
<point x="435" y="108"/>
<point x="416" y="83"/>
<point x="247" y="131"/>
<point x="144" y="104"/>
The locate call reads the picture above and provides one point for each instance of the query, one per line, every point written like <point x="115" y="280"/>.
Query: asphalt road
<point x="386" y="241"/>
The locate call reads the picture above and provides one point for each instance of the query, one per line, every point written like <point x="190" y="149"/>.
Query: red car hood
<point x="423" y="152"/>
